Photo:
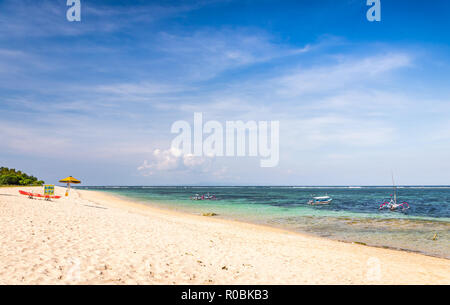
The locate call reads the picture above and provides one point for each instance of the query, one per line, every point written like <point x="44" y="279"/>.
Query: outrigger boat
<point x="196" y="197"/>
<point x="320" y="200"/>
<point x="393" y="204"/>
<point x="203" y="197"/>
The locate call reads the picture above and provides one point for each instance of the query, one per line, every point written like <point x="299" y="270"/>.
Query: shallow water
<point x="352" y="216"/>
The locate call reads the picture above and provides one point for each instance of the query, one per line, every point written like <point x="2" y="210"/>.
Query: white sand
<point x="95" y="238"/>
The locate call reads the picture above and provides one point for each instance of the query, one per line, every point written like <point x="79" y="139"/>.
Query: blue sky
<point x="355" y="99"/>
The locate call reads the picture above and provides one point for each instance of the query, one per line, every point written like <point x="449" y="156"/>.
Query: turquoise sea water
<point x="353" y="215"/>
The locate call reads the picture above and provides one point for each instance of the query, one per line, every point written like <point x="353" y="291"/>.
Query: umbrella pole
<point x="68" y="189"/>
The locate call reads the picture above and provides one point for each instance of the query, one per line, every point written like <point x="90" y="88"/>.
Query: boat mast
<point x="393" y="185"/>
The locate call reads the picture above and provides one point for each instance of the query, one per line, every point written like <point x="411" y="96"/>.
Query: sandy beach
<point x="96" y="238"/>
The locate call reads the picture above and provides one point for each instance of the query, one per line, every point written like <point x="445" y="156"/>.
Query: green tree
<point x="9" y="176"/>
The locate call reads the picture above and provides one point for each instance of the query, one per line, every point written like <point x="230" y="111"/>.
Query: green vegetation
<point x="9" y="176"/>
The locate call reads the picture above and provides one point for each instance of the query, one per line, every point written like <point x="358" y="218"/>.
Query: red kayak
<point x="31" y="195"/>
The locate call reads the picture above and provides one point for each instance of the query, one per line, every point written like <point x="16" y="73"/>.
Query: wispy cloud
<point x="48" y="18"/>
<point x="206" y="53"/>
<point x="118" y="80"/>
<point x="346" y="74"/>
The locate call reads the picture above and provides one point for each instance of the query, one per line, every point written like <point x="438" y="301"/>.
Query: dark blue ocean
<point x="353" y="215"/>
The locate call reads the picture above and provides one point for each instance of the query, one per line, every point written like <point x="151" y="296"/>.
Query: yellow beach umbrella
<point x="69" y="180"/>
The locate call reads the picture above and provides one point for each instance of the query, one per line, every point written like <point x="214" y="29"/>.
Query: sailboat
<point x="393" y="204"/>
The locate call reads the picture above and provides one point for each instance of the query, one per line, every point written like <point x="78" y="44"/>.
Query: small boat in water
<point x="393" y="204"/>
<point x="196" y="197"/>
<point x="320" y="200"/>
<point x="203" y="197"/>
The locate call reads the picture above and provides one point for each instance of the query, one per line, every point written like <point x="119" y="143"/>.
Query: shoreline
<point x="116" y="241"/>
<point x="128" y="201"/>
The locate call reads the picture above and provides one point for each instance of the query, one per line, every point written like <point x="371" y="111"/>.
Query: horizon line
<point x="268" y="185"/>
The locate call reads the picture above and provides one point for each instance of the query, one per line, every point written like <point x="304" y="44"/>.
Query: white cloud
<point x="174" y="160"/>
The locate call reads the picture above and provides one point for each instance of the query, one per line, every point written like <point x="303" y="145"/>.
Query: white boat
<point x="320" y="200"/>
